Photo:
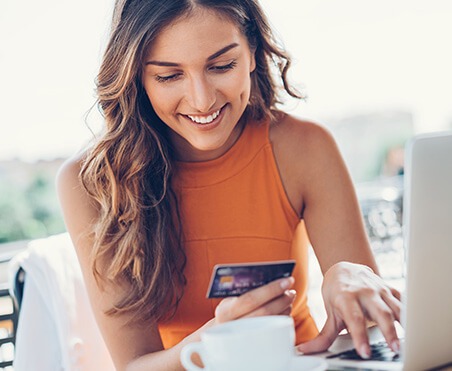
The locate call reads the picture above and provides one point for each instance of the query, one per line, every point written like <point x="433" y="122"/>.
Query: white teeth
<point x="205" y="119"/>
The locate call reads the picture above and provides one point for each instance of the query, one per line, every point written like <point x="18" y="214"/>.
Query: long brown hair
<point x="137" y="237"/>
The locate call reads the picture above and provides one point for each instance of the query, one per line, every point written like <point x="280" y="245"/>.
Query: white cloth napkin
<point x="56" y="328"/>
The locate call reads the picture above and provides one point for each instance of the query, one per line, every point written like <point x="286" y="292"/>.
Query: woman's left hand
<point x="353" y="294"/>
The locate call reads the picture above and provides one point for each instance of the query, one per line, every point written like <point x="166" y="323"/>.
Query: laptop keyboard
<point x="380" y="352"/>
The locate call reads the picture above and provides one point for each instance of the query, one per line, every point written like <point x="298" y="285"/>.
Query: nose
<point x="201" y="94"/>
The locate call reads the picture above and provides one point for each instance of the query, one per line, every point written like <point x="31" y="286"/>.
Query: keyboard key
<point x="380" y="352"/>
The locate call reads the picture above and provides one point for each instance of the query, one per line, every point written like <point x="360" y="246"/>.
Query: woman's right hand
<point x="275" y="298"/>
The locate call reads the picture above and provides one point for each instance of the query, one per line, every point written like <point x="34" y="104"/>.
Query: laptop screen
<point x="427" y="315"/>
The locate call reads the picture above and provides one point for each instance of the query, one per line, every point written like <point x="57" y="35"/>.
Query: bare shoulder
<point x="78" y="208"/>
<point x="306" y="155"/>
<point x="68" y="173"/>
<point x="302" y="145"/>
<point x="297" y="135"/>
<point x="68" y="179"/>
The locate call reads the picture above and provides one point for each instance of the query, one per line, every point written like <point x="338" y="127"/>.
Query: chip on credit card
<point x="236" y="279"/>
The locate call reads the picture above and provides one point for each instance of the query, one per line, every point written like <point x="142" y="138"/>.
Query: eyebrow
<point x="211" y="57"/>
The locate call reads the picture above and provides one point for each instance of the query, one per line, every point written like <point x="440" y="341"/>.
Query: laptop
<point x="427" y="301"/>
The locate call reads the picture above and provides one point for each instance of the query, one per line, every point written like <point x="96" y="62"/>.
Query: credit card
<point x="236" y="279"/>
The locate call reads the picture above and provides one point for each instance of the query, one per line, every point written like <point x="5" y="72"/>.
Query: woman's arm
<point x="124" y="342"/>
<point x="139" y="346"/>
<point x="319" y="186"/>
<point x="321" y="192"/>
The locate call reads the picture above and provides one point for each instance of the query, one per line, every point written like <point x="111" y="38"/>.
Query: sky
<point x="350" y="57"/>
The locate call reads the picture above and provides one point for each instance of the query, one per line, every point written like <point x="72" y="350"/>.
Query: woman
<point x="197" y="167"/>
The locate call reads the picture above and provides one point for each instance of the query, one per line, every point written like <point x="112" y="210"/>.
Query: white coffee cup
<point x="259" y="343"/>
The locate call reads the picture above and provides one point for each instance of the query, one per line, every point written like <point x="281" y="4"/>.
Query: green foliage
<point x="28" y="203"/>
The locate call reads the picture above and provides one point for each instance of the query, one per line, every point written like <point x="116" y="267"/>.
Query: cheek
<point x="238" y="86"/>
<point x="162" y="100"/>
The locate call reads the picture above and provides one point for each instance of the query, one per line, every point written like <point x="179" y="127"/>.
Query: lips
<point x="204" y="119"/>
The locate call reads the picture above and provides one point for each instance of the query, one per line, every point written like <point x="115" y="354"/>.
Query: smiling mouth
<point x="204" y="119"/>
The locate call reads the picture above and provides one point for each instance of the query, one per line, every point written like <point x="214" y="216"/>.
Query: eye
<point x="167" y="78"/>
<point x="225" y="67"/>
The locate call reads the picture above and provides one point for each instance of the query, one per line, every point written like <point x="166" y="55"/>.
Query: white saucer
<point x="308" y="363"/>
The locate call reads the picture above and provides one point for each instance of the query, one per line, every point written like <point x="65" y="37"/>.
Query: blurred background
<point x="375" y="73"/>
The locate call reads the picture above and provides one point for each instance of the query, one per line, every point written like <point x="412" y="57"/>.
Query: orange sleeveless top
<point x="234" y="209"/>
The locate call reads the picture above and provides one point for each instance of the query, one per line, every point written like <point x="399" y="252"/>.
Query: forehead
<point x="201" y="32"/>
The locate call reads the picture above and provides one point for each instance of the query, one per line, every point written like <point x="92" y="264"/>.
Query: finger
<point x="256" y="298"/>
<point x="286" y="312"/>
<point x="236" y="307"/>
<point x="222" y="311"/>
<point x="355" y="321"/>
<point x="276" y="306"/>
<point x="394" y="303"/>
<point x="383" y="315"/>
<point x="396" y="293"/>
<point x="323" y="340"/>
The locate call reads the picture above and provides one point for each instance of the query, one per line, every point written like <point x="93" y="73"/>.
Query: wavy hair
<point x="127" y="172"/>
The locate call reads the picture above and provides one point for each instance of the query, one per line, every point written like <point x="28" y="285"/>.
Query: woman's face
<point x="197" y="78"/>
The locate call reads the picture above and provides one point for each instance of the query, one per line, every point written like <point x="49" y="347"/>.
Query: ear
<point x="252" y="61"/>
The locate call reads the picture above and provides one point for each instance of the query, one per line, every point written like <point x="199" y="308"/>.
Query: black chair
<point x="8" y="325"/>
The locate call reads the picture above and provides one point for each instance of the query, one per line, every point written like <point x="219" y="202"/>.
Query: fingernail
<point x="286" y="283"/>
<point x="395" y="346"/>
<point x="291" y="293"/>
<point x="364" y="351"/>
